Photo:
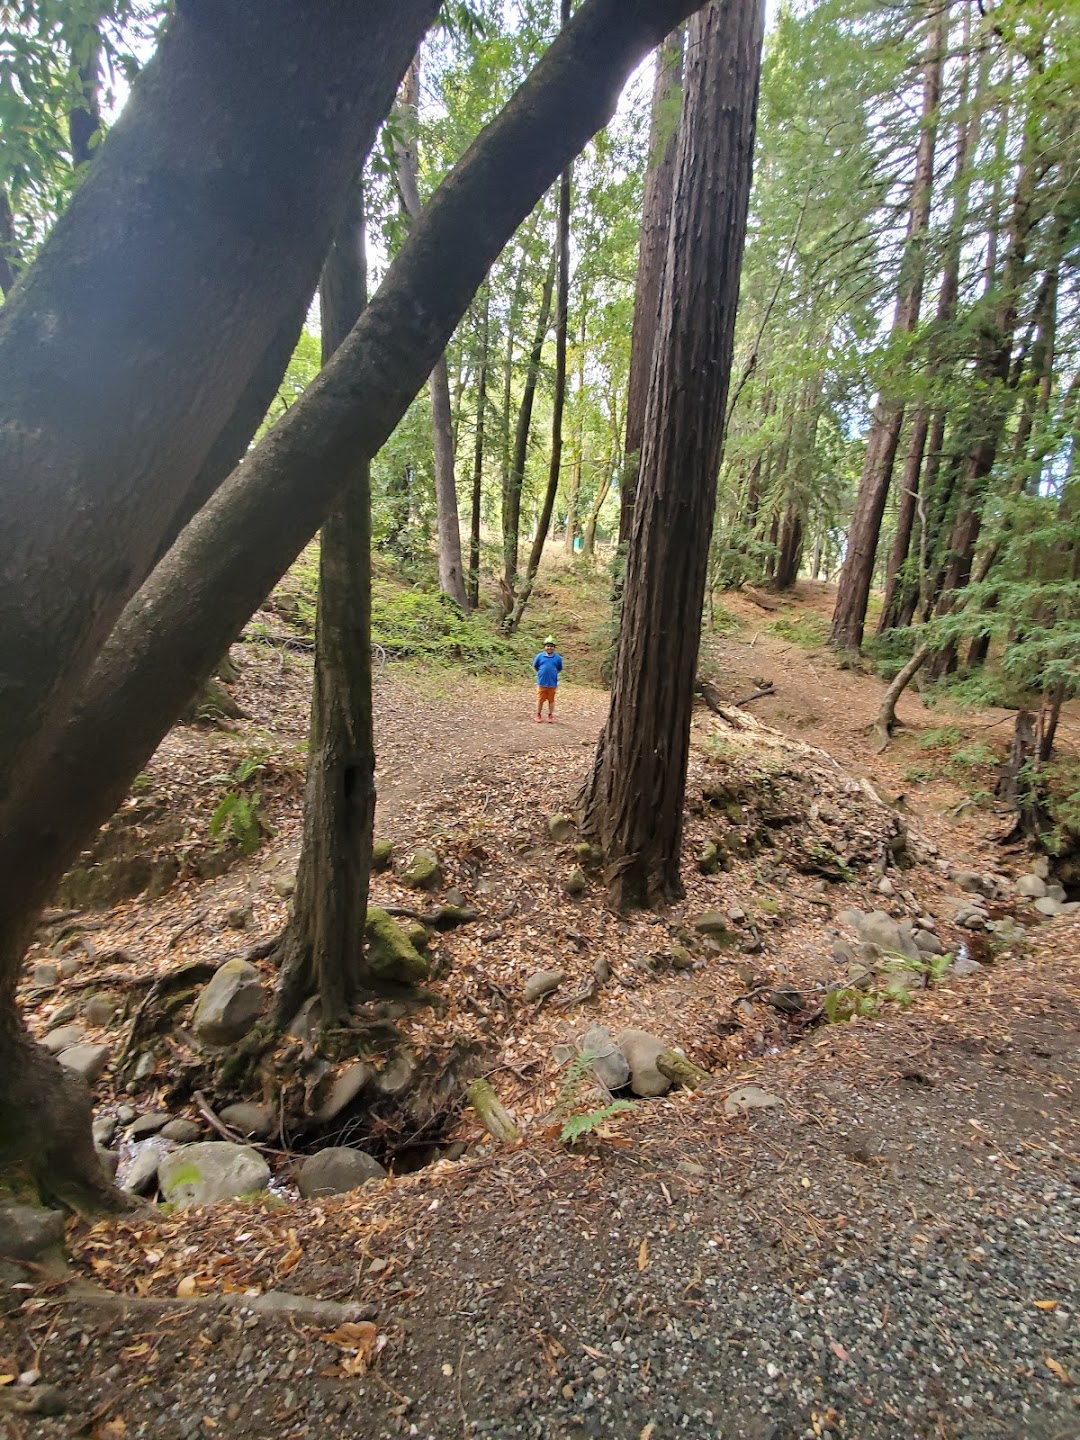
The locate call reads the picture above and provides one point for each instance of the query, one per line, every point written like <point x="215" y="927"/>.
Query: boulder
<point x="963" y="967"/>
<point x="28" y="1230"/>
<point x="140" y="1176"/>
<point x="65" y="1038"/>
<point x="423" y="871"/>
<point x="641" y="1050"/>
<point x="928" y="944"/>
<point x="541" y="983"/>
<point x="880" y="929"/>
<point x="610" y="1065"/>
<point x="254" y="1121"/>
<point x="103" y="1129"/>
<point x="344" y="1090"/>
<point x="230" y="1004"/>
<point x="307" y="1019"/>
<point x="560" y="828"/>
<point x="210" y="1171"/>
<point x="284" y="886"/>
<point x="46" y="975"/>
<point x="971" y="882"/>
<point x="396" y="1076"/>
<point x="148" y="1124"/>
<point x="886" y="887"/>
<point x="86" y="1060"/>
<point x="1040" y="866"/>
<point x="183" y="1132"/>
<point x="1047" y="905"/>
<point x="110" y="1160"/>
<point x="749" y="1097"/>
<point x="382" y="855"/>
<point x="100" y="1011"/>
<point x="336" y="1170"/>
<point x="1031" y="886"/>
<point x="390" y="954"/>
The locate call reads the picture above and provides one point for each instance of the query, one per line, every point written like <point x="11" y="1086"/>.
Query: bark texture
<point x="633" y="799"/>
<point x="235" y="549"/>
<point x="323" y="947"/>
<point x="200" y="225"/>
<point x="478" y="457"/>
<point x="655" y="215"/>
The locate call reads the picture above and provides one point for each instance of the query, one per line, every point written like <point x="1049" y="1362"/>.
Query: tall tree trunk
<point x="633" y="798"/>
<point x="84" y="121"/>
<point x="655" y="217"/>
<point x="516" y="478"/>
<point x="113" y="393"/>
<point x="853" y="593"/>
<point x="789" y="554"/>
<point x="9" y="250"/>
<point x="451" y="575"/>
<point x="562" y="310"/>
<point x="517" y="300"/>
<point x="928" y="425"/>
<point x="230" y="555"/>
<point x="478" y="457"/>
<point x="322" y="950"/>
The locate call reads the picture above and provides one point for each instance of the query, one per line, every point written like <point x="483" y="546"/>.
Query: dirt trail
<point x="888" y="1250"/>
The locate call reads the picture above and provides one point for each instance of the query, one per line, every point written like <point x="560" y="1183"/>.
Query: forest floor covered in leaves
<point x="888" y="1246"/>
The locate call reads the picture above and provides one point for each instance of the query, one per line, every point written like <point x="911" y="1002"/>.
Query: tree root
<point x="496" y="1119"/>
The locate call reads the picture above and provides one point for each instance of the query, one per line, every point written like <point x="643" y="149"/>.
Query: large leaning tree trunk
<point x="200" y="226"/>
<point x="853" y="593"/>
<point x="322" y="950"/>
<point x="231" y="554"/>
<point x="451" y="573"/>
<point x="633" y="799"/>
<point x="655" y="215"/>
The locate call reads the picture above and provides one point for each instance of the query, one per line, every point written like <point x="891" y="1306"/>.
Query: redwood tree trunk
<point x="198" y="229"/>
<point x="322" y="950"/>
<point x="451" y="575"/>
<point x="633" y="799"/>
<point x="655" y="215"/>
<point x="853" y="592"/>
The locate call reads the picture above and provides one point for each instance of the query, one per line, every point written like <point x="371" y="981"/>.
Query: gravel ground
<point x="891" y="1252"/>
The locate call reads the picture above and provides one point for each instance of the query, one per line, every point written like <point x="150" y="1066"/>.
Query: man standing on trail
<point x="547" y="666"/>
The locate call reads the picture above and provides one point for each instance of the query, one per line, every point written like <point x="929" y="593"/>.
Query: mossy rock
<point x="710" y="858"/>
<point x="382" y="855"/>
<point x="423" y="871"/>
<point x="575" y="883"/>
<point x="418" y="936"/>
<point x="560" y="827"/>
<point x="391" y="955"/>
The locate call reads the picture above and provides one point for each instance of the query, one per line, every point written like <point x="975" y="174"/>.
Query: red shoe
<point x="551" y="719"/>
<point x="539" y="719"/>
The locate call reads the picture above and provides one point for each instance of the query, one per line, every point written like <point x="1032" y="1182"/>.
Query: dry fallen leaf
<point x="647" y="1431"/>
<point x="187" y="1287"/>
<point x="358" y="1335"/>
<point x="643" y="1255"/>
<point x="7" y="1379"/>
<point x="1046" y="1304"/>
<point x="1058" y="1369"/>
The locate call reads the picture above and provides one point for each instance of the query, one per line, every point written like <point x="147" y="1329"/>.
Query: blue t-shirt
<point x="547" y="668"/>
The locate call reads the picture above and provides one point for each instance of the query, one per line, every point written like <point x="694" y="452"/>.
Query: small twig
<point x="177" y="935"/>
<point x="205" y="1110"/>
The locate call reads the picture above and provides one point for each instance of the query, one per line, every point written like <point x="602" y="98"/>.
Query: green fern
<point x="575" y="1082"/>
<point x="578" y="1125"/>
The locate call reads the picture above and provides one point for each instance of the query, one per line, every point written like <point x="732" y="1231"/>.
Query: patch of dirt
<point x="889" y="1251"/>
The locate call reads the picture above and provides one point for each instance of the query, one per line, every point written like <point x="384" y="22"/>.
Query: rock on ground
<point x="641" y="1050"/>
<point x="541" y="983"/>
<point x="230" y="1004"/>
<point x="335" y="1170"/>
<point x="28" y="1230"/>
<point x="610" y="1065"/>
<point x="86" y="1060"/>
<point x="390" y="953"/>
<point x="213" y="1170"/>
<point x="344" y="1090"/>
<point x="256" y="1121"/>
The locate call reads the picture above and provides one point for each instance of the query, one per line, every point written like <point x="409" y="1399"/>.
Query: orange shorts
<point x="545" y="692"/>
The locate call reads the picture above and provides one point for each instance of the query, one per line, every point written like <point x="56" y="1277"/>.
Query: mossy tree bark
<point x="230" y="555"/>
<point x="322" y="950"/>
<point x="633" y="799"/>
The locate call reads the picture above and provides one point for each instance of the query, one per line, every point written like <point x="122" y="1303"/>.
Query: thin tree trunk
<point x="478" y="458"/>
<point x="655" y="216"/>
<point x="886" y="719"/>
<point x="789" y="555"/>
<point x="9" y="251"/>
<point x="451" y="576"/>
<point x="633" y="799"/>
<point x="853" y="593"/>
<point x="322" y="950"/>
<point x="84" y="121"/>
<point x="562" y="309"/>
<point x="516" y="478"/>
<point x="113" y="393"/>
<point x="603" y="487"/>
